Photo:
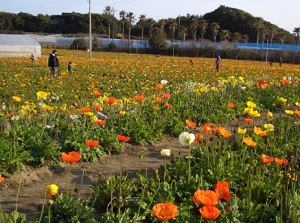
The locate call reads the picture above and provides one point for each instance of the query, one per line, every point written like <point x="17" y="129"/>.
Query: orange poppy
<point x="285" y="81"/>
<point x="264" y="86"/>
<point x="1" y="178"/>
<point x="96" y="92"/>
<point x="86" y="109"/>
<point x="100" y="122"/>
<point x="259" y="131"/>
<point x="225" y="133"/>
<point x="266" y="159"/>
<point x="155" y="108"/>
<point x="199" y="138"/>
<point x="111" y="101"/>
<point x="190" y="123"/>
<point x="206" y="197"/>
<point x="281" y="161"/>
<point x="230" y="105"/>
<point x="248" y="120"/>
<point x="218" y="129"/>
<point x="249" y="141"/>
<point x="159" y="86"/>
<point x="139" y="98"/>
<point x="98" y="108"/>
<point x="122" y="138"/>
<point x="222" y="190"/>
<point x="169" y="105"/>
<point x="209" y="212"/>
<point x="91" y="143"/>
<point x="207" y="128"/>
<point x="297" y="112"/>
<point x="165" y="211"/>
<point x="71" y="157"/>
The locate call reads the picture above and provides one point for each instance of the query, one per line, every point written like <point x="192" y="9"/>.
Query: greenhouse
<point x="19" y="46"/>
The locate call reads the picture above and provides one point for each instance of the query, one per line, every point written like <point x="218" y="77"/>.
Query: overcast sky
<point x="283" y="13"/>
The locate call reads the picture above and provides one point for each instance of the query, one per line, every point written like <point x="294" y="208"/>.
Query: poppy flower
<point x="206" y="197"/>
<point x="190" y="123"/>
<point x="100" y="122"/>
<point x="169" y="105"/>
<point x="186" y="138"/>
<point x="165" y="211"/>
<point x="155" y="108"/>
<point x="165" y="95"/>
<point x="122" y="113"/>
<point x="297" y="112"/>
<point x="16" y="99"/>
<point x="230" y="105"/>
<point x="98" y="108"/>
<point x="249" y="141"/>
<point x="199" y="138"/>
<point x="91" y="143"/>
<point x="218" y="129"/>
<point x="222" y="190"/>
<point x="209" y="212"/>
<point x="86" y="109"/>
<point x="242" y="131"/>
<point x="285" y="81"/>
<point x="122" y="138"/>
<point x="289" y="112"/>
<point x="266" y="159"/>
<point x="111" y="101"/>
<point x="158" y="101"/>
<point x="42" y="94"/>
<point x="269" y="127"/>
<point x="139" y="98"/>
<point x="248" y="120"/>
<point x="1" y="178"/>
<point x="281" y="161"/>
<point x="165" y="152"/>
<point x="225" y="133"/>
<point x="207" y="128"/>
<point x="159" y="86"/>
<point x="96" y="93"/>
<point x="259" y="131"/>
<point x="71" y="157"/>
<point x="52" y="189"/>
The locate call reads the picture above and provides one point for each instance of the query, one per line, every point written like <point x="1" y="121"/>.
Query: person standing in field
<point x="280" y="61"/>
<point x="70" y="68"/>
<point x="32" y="58"/>
<point x="53" y="62"/>
<point x="218" y="61"/>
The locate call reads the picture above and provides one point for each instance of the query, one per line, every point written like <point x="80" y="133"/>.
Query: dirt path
<point x="30" y="184"/>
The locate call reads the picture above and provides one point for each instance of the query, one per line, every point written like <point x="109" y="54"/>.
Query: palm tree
<point x="258" y="25"/>
<point x="150" y="23"/>
<point x="130" y="20"/>
<point x="107" y="13"/>
<point x="143" y="23"/>
<point x="182" y="33"/>
<point x="203" y="24"/>
<point x="162" y="23"/>
<point x="214" y="27"/>
<point x="172" y="27"/>
<point x="225" y="34"/>
<point x="296" y="33"/>
<point x="193" y="27"/>
<point x="272" y="33"/>
<point x="236" y="37"/>
<point x="122" y="15"/>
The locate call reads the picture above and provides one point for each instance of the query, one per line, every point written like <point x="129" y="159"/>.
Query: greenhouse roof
<point x="20" y="40"/>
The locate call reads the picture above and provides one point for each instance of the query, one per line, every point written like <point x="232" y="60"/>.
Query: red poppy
<point x="266" y="159"/>
<point x="248" y="120"/>
<point x="165" y="95"/>
<point x="209" y="212"/>
<point x="222" y="190"/>
<point x="139" y="98"/>
<point x="71" y="157"/>
<point x="86" y="109"/>
<point x="285" y="81"/>
<point x="100" y="122"/>
<point x="207" y="128"/>
<point x="218" y="129"/>
<point x="122" y="138"/>
<point x="198" y="138"/>
<point x="230" y="105"/>
<point x="1" y="178"/>
<point x="91" y="143"/>
<point x="158" y="101"/>
<point x="111" y="101"/>
<point x="98" y="108"/>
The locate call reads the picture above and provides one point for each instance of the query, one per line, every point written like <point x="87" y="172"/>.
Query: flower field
<point x="240" y="129"/>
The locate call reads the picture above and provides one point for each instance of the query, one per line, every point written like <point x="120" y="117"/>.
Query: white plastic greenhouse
<point x="19" y="46"/>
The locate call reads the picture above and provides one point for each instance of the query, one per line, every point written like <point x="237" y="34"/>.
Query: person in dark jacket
<point x="53" y="62"/>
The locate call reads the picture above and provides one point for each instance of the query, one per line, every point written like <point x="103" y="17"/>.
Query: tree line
<point x="223" y="24"/>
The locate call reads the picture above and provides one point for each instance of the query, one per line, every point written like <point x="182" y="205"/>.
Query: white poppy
<point x="186" y="138"/>
<point x="164" y="82"/>
<point x="165" y="152"/>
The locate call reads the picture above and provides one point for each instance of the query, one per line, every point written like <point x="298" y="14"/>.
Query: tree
<point x="258" y="24"/>
<point x="182" y="33"/>
<point x="214" y="27"/>
<point x="203" y="24"/>
<point x="150" y="23"/>
<point x="225" y="35"/>
<point x="130" y="20"/>
<point x="296" y="33"/>
<point x="193" y="24"/>
<point x="108" y="12"/>
<point x="158" y="40"/>
<point x="162" y="23"/>
<point x="172" y="25"/>
<point x="236" y="37"/>
<point x="122" y="15"/>
<point x="142" y="22"/>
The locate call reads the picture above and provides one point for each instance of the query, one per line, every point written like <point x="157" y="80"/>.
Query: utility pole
<point x="90" y="30"/>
